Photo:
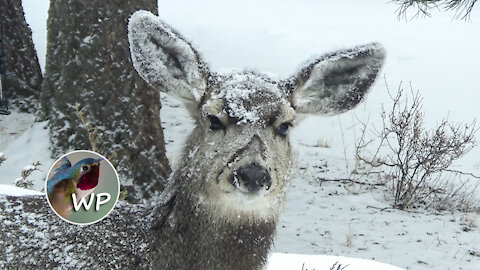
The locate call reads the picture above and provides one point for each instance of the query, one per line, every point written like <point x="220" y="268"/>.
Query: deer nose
<point x="253" y="177"/>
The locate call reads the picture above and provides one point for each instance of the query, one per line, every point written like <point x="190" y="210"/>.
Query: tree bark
<point x="88" y="67"/>
<point x="19" y="69"/>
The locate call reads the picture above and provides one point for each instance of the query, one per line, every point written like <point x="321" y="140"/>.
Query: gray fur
<point x="205" y="218"/>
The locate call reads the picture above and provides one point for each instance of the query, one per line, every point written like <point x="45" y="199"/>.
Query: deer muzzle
<point x="251" y="178"/>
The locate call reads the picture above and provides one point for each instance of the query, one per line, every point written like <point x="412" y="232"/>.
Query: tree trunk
<point x="88" y="68"/>
<point x="19" y="69"/>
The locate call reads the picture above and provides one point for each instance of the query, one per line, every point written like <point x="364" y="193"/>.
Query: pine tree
<point x="463" y="7"/>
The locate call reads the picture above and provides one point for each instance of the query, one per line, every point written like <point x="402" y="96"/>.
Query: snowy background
<point x="439" y="56"/>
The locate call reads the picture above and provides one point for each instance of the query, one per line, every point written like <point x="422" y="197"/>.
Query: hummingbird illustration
<point x="80" y="179"/>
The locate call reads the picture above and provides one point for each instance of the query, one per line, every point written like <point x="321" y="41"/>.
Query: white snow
<point x="13" y="125"/>
<point x="438" y="55"/>
<point x="305" y="262"/>
<point x="16" y="191"/>
<point x="239" y="88"/>
<point x="28" y="143"/>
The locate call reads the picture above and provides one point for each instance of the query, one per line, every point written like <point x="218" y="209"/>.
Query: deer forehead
<point x="246" y="98"/>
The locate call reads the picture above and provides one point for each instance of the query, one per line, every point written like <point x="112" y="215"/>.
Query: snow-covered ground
<point x="16" y="191"/>
<point x="437" y="55"/>
<point x="24" y="142"/>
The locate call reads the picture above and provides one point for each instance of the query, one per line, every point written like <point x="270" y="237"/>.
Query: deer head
<point x="238" y="157"/>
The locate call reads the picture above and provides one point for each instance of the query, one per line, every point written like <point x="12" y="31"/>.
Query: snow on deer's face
<point x="246" y="120"/>
<point x="238" y="157"/>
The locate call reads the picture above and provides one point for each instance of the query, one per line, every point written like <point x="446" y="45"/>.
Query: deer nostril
<point x="253" y="177"/>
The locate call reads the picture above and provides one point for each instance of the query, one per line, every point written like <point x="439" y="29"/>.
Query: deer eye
<point x="283" y="128"/>
<point x="215" y="123"/>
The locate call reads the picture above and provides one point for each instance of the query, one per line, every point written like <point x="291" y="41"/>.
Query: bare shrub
<point x="2" y="158"/>
<point x="323" y="143"/>
<point x="418" y="159"/>
<point x="349" y="237"/>
<point x="94" y="135"/>
<point x="337" y="266"/>
<point x="24" y="181"/>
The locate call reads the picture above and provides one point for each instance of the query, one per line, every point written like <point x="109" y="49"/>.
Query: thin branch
<point x="348" y="180"/>
<point x="462" y="173"/>
<point x="93" y="135"/>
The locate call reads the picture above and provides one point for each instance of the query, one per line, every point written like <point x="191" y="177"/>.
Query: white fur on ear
<point x="164" y="58"/>
<point x="336" y="82"/>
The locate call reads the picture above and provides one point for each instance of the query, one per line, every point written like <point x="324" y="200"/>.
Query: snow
<point x="10" y="130"/>
<point x="16" y="191"/>
<point x="25" y="143"/>
<point x="305" y="262"/>
<point x="438" y="55"/>
<point x="239" y="88"/>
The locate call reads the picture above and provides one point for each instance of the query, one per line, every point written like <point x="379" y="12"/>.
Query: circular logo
<point x="82" y="187"/>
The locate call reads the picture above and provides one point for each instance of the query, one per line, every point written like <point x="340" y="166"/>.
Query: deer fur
<point x="222" y="203"/>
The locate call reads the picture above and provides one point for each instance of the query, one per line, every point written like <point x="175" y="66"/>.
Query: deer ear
<point x="164" y="58"/>
<point x="336" y="82"/>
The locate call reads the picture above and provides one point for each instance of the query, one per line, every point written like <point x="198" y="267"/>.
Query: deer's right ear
<point x="164" y="58"/>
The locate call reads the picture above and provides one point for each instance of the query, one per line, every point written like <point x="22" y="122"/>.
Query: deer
<point x="222" y="202"/>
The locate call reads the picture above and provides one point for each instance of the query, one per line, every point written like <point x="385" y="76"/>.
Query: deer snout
<point x="251" y="177"/>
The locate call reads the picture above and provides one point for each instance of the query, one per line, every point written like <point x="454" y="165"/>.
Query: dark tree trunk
<point x="88" y="67"/>
<point x="19" y="69"/>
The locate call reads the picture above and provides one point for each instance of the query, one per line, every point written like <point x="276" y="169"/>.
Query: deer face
<point x="245" y="120"/>
<point x="242" y="153"/>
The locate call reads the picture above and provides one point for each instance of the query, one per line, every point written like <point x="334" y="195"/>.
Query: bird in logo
<point x="66" y="180"/>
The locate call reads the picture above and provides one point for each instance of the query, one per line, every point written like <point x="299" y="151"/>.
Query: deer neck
<point x="189" y="233"/>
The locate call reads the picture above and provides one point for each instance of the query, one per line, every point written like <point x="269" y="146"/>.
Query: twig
<point x="2" y="158"/>
<point x="463" y="173"/>
<point x="93" y="135"/>
<point x="348" y="180"/>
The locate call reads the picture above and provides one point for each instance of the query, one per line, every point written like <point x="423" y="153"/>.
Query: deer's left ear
<point x="336" y="82"/>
